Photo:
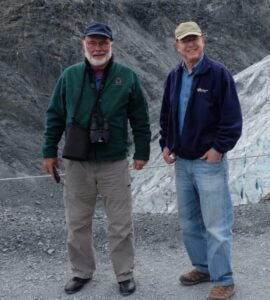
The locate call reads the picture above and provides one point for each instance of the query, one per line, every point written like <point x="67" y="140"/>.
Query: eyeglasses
<point x="100" y="44"/>
<point x="188" y="39"/>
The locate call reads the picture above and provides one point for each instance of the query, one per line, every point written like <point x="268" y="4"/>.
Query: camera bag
<point x="77" y="144"/>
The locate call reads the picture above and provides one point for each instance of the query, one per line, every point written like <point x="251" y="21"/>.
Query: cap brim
<point x="180" y="37"/>
<point x="98" y="33"/>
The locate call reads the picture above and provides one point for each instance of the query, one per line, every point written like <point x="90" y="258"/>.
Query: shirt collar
<point x="196" y="68"/>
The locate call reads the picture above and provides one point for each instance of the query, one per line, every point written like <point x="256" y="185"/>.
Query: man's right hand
<point x="168" y="156"/>
<point x="49" y="164"/>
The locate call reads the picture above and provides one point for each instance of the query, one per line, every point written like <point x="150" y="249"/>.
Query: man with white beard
<point x="93" y="102"/>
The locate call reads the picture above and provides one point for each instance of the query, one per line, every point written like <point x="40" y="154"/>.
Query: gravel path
<point x="34" y="261"/>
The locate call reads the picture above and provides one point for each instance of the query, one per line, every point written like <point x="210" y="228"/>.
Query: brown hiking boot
<point x="221" y="292"/>
<point x="194" y="277"/>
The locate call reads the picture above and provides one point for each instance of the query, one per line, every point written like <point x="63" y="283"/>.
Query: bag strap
<point x="78" y="103"/>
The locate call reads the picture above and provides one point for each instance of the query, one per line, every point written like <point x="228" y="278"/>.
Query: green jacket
<point x="122" y="100"/>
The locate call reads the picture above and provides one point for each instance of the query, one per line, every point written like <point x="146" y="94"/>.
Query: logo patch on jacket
<point x="118" y="81"/>
<point x="200" y="90"/>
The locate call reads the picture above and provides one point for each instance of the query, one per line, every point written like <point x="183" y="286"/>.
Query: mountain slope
<point x="40" y="38"/>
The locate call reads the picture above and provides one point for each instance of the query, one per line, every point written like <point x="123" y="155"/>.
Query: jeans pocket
<point x="213" y="162"/>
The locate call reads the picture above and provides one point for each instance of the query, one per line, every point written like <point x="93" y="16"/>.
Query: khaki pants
<point x="84" y="180"/>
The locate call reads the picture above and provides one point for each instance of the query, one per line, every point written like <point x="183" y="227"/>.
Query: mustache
<point x="99" y="53"/>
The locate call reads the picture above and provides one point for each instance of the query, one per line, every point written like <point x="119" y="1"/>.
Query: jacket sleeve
<point x="55" y="120"/>
<point x="139" y="121"/>
<point x="229" y="128"/>
<point x="164" y="114"/>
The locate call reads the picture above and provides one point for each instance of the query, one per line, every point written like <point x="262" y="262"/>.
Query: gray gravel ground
<point x="34" y="261"/>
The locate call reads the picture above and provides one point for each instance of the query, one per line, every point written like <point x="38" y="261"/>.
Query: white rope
<point x="148" y="167"/>
<point x="27" y="177"/>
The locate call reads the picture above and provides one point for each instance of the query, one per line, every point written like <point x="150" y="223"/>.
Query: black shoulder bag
<point x="77" y="144"/>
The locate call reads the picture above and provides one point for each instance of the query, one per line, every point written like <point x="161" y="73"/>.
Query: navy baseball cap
<point x="98" y="29"/>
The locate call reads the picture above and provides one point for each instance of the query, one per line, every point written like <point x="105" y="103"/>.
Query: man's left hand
<point x="212" y="156"/>
<point x="139" y="164"/>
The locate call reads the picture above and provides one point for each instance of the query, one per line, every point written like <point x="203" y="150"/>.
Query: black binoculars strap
<point x="98" y="92"/>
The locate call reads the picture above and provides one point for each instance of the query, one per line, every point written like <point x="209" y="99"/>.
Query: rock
<point x="50" y="251"/>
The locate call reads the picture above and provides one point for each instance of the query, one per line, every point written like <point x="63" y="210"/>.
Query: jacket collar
<point x="205" y="65"/>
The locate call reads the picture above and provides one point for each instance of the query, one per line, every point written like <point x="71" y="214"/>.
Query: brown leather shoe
<point x="194" y="277"/>
<point x="221" y="292"/>
<point x="75" y="284"/>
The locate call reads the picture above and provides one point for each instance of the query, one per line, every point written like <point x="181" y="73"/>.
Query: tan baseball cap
<point x="187" y="28"/>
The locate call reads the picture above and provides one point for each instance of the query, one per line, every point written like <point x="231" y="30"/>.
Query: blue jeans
<point x="206" y="216"/>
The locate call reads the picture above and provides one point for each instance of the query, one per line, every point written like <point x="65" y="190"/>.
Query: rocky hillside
<point x="39" y="38"/>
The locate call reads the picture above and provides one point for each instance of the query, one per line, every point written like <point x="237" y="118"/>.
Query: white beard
<point x="97" y="62"/>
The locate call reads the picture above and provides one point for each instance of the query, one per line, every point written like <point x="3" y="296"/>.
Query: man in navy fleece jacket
<point x="200" y="122"/>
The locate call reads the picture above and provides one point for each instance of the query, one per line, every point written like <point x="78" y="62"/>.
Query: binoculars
<point x="99" y="133"/>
